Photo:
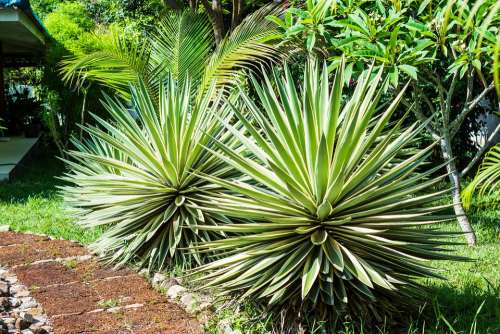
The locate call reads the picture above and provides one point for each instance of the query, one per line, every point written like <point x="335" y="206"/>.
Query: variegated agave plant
<point x="134" y="175"/>
<point x="338" y="214"/>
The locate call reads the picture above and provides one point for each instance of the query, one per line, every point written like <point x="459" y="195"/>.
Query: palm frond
<point x="181" y="45"/>
<point x="247" y="46"/>
<point x="118" y="63"/>
<point x="486" y="182"/>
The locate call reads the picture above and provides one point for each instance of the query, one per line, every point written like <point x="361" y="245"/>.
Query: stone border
<point x="200" y="305"/>
<point x="19" y="312"/>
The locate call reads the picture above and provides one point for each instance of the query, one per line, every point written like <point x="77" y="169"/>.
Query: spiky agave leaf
<point x="338" y="218"/>
<point x="134" y="175"/>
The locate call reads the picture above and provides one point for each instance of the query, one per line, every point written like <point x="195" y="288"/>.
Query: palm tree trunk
<point x="454" y="177"/>
<point x="218" y="20"/>
<point x="215" y="13"/>
<point x="237" y="13"/>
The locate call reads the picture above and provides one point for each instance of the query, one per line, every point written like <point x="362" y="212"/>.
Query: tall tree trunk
<point x="218" y="20"/>
<point x="454" y="176"/>
<point x="3" y="104"/>
<point x="215" y="13"/>
<point x="193" y="4"/>
<point x="237" y="13"/>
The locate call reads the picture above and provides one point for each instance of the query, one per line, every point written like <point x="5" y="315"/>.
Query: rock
<point x="9" y="321"/>
<point x="168" y="283"/>
<point x="205" y="306"/>
<point x="40" y="330"/>
<point x="27" y="303"/>
<point x="225" y="328"/>
<point x="4" y="304"/>
<point x="14" y="302"/>
<point x="175" y="291"/>
<point x="21" y="324"/>
<point x="158" y="279"/>
<point x="19" y="291"/>
<point x="144" y="273"/>
<point x="27" y="317"/>
<point x="11" y="279"/>
<point x="47" y="329"/>
<point x="3" y="327"/>
<point x="4" y="289"/>
<point x="4" y="228"/>
<point x="40" y="319"/>
<point x="189" y="301"/>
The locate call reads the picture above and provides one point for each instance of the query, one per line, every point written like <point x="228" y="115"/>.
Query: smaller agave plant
<point x="134" y="175"/>
<point x="336" y="210"/>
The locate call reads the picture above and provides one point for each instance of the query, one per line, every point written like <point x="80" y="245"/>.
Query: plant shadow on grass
<point x="452" y="311"/>
<point x="36" y="177"/>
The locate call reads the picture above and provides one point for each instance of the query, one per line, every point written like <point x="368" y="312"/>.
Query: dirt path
<point x="79" y="295"/>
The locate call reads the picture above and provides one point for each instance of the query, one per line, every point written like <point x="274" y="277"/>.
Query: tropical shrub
<point x="136" y="175"/>
<point x="336" y="214"/>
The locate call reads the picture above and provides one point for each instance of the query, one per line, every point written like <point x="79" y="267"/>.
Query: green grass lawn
<point x="31" y="203"/>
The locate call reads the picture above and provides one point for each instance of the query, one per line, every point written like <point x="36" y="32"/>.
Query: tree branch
<point x="455" y="125"/>
<point x="479" y="153"/>
<point x="449" y="96"/>
<point x="420" y="115"/>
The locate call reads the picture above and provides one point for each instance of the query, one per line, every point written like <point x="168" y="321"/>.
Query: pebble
<point x="19" y="312"/>
<point x="22" y="324"/>
<point x="189" y="301"/>
<point x="175" y="290"/>
<point x="4" y="289"/>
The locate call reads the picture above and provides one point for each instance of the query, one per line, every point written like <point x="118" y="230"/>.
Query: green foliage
<point x="486" y="180"/>
<point x="70" y="26"/>
<point x="425" y="42"/>
<point x="135" y="175"/>
<point x="181" y="45"/>
<point x="333" y="204"/>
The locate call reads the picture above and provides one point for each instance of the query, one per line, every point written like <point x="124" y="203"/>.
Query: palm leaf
<point x="119" y="62"/>
<point x="486" y="182"/>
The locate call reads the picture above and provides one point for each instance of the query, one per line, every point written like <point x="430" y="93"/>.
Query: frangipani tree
<point x="447" y="48"/>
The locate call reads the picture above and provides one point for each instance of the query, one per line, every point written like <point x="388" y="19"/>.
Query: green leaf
<point x="310" y="273"/>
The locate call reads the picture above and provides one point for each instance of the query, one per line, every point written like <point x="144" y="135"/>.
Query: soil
<point x="27" y="253"/>
<point x="45" y="274"/>
<point x="12" y="238"/>
<point x="85" y="296"/>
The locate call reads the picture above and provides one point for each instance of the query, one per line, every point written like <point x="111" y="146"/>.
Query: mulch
<point x="80" y="295"/>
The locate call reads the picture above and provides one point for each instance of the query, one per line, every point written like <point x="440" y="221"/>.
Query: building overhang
<point x="22" y="37"/>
